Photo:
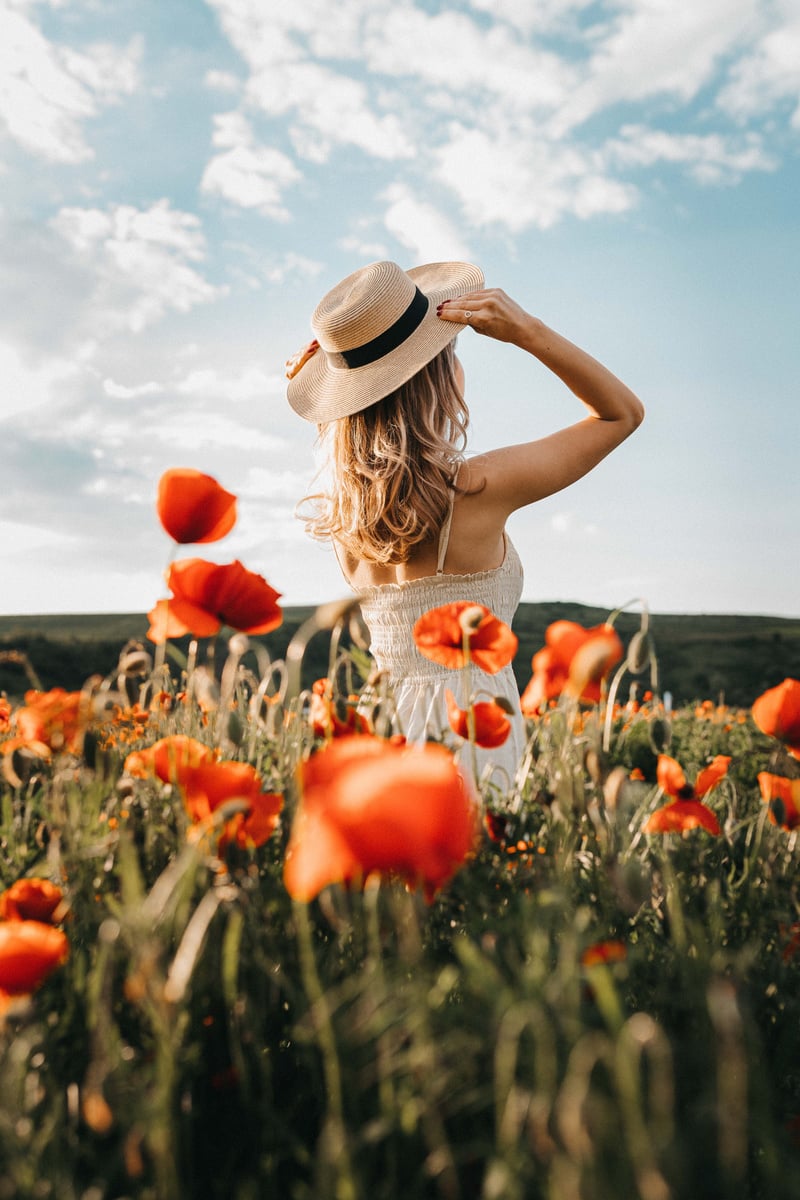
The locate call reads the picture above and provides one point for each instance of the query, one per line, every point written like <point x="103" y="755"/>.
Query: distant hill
<point x="701" y="656"/>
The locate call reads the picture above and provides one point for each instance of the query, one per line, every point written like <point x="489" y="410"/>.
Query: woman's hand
<point x="490" y="312"/>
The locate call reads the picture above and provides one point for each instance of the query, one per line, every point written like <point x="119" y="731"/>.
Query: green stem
<point x="334" y="1143"/>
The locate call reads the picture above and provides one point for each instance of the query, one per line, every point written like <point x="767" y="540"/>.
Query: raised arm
<point x="521" y="474"/>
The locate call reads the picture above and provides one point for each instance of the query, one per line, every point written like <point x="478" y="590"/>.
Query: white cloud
<point x="47" y="91"/>
<point x="540" y="16"/>
<point x="327" y="110"/>
<point x="710" y="158"/>
<point x="658" y="48"/>
<point x="422" y="228"/>
<point x="250" y="384"/>
<point x="248" y="174"/>
<point x="769" y="75"/>
<point x="26" y="386"/>
<point x="293" y="265"/>
<point x="120" y="391"/>
<point x="501" y="180"/>
<point x="139" y="260"/>
<point x="410" y="42"/>
<point x="222" y="81"/>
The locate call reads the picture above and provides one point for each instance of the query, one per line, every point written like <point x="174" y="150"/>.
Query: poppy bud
<point x="660" y="734"/>
<point x="639" y="652"/>
<point x="135" y="662"/>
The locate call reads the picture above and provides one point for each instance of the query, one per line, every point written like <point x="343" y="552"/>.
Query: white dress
<point x="390" y="611"/>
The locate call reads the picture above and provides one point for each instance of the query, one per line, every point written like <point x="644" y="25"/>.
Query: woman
<point x="414" y="524"/>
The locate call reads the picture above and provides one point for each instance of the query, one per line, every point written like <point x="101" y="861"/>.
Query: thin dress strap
<point x="444" y="533"/>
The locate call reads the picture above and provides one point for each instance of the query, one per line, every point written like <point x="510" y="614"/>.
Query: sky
<point x="182" y="180"/>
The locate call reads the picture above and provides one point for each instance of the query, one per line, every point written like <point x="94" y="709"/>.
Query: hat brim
<point x="321" y="392"/>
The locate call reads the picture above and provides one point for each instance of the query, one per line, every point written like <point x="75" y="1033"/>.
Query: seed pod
<point x="471" y="617"/>
<point x="234" y="730"/>
<point x="660" y="735"/>
<point x="639" y="652"/>
<point x="135" y="662"/>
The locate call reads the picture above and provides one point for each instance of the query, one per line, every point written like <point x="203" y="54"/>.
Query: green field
<point x="700" y="656"/>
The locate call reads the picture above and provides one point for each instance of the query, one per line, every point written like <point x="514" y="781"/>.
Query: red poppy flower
<point x="783" y="797"/>
<point x="169" y="757"/>
<point x="777" y="712"/>
<point x="208" y="595"/>
<point x="49" y="721"/>
<point x="30" y="899"/>
<point x="210" y="784"/>
<point x="370" y="806"/>
<point x="671" y="778"/>
<point x="492" y="725"/>
<point x="680" y="815"/>
<point x="440" y="634"/>
<point x="29" y="952"/>
<point x="574" y="661"/>
<point x="193" y="507"/>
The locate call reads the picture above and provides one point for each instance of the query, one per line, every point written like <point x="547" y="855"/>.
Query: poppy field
<point x="253" y="944"/>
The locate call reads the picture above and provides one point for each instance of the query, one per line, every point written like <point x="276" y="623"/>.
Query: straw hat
<point x="374" y="330"/>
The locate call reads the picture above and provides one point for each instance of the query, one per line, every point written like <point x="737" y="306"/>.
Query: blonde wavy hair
<point x="393" y="467"/>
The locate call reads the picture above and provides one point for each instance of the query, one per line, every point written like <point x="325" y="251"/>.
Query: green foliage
<point x="209" y="1037"/>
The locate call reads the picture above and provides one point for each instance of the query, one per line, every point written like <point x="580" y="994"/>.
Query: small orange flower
<point x="440" y="635"/>
<point x="49" y="721"/>
<point x="573" y="661"/>
<point x="168" y="758"/>
<point x="30" y="899"/>
<point x="777" y="713"/>
<point x="604" y="953"/>
<point x="370" y="806"/>
<point x="206" y="596"/>
<point x="492" y="725"/>
<point x="29" y="952"/>
<point x="210" y="784"/>
<point x="193" y="507"/>
<point x="783" y="797"/>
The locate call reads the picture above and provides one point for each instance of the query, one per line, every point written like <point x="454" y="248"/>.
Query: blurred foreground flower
<point x="783" y="797"/>
<point x="29" y="952"/>
<point x="206" y="787"/>
<point x="47" y="722"/>
<point x="604" y="953"/>
<point x="574" y="661"/>
<point x="492" y="725"/>
<point x="206" y="596"/>
<point x="193" y="507"/>
<point x="169" y="757"/>
<point x="369" y="806"/>
<point x="442" y="633"/>
<point x="205" y="783"/>
<point x="31" y="899"/>
<point x="777" y="713"/>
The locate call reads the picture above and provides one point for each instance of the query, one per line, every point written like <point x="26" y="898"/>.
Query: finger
<point x="462" y="310"/>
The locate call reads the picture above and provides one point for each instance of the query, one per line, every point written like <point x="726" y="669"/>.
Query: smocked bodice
<point x="390" y="611"/>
